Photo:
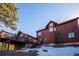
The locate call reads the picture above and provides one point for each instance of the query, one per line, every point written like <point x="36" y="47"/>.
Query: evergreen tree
<point x="58" y="38"/>
<point x="8" y="15"/>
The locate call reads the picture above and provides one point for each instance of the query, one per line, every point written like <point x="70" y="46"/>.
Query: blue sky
<point x="33" y="17"/>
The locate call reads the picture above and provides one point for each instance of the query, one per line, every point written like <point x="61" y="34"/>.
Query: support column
<point x="8" y="44"/>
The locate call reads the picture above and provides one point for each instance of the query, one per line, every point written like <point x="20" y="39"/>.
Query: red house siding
<point x="46" y="36"/>
<point x="64" y="28"/>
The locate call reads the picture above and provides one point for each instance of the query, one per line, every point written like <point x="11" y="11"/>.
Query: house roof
<point x="24" y="37"/>
<point x="41" y="30"/>
<point x="8" y="32"/>
<point x="68" y="21"/>
<point x="24" y="34"/>
<point x="20" y="39"/>
<point x="73" y="19"/>
<point x="58" y="24"/>
<point x="55" y="23"/>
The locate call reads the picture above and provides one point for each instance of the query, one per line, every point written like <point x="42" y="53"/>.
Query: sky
<point x="35" y="16"/>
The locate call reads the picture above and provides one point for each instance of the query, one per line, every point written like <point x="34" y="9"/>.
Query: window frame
<point x="71" y="35"/>
<point x="51" y="29"/>
<point x="39" y="33"/>
<point x="78" y="23"/>
<point x="55" y="29"/>
<point x="51" y="24"/>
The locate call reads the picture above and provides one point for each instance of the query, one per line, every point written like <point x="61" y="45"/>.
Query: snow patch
<point x="54" y="51"/>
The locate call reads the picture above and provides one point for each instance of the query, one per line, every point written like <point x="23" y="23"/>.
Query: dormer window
<point x="51" y="24"/>
<point x="39" y="33"/>
<point x="51" y="27"/>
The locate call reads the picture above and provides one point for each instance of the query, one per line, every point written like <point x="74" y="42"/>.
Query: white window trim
<point x="51" y="24"/>
<point x="78" y="23"/>
<point x="71" y="35"/>
<point x="39" y="33"/>
<point x="54" y="28"/>
<point x="50" y="29"/>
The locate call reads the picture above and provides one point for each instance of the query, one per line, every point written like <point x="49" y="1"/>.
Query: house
<point x="9" y="41"/>
<point x="5" y="38"/>
<point x="66" y="32"/>
<point x="27" y="39"/>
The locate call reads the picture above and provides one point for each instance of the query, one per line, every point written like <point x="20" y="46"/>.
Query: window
<point x="46" y="39"/>
<point x="40" y="39"/>
<point x="29" y="38"/>
<point x="78" y="23"/>
<point x="71" y="34"/>
<point x="54" y="29"/>
<point x="51" y="24"/>
<point x="39" y="33"/>
<point x="21" y="35"/>
<point x="34" y="40"/>
<point x="50" y="29"/>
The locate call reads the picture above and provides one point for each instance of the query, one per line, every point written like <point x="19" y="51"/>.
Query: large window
<point x="39" y="33"/>
<point x="50" y="29"/>
<point x="71" y="34"/>
<point x="54" y="28"/>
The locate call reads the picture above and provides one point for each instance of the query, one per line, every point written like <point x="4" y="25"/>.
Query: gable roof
<point x="25" y="35"/>
<point x="55" y="23"/>
<point x="8" y="32"/>
<point x="68" y="21"/>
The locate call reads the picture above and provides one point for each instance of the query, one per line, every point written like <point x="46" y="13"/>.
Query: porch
<point x="10" y="44"/>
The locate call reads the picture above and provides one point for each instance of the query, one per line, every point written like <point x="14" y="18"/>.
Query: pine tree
<point x="8" y="15"/>
<point x="58" y="38"/>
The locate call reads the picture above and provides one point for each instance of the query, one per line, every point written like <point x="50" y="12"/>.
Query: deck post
<point x="8" y="44"/>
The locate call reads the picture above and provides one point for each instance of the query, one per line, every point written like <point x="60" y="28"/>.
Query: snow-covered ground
<point x="54" y="51"/>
